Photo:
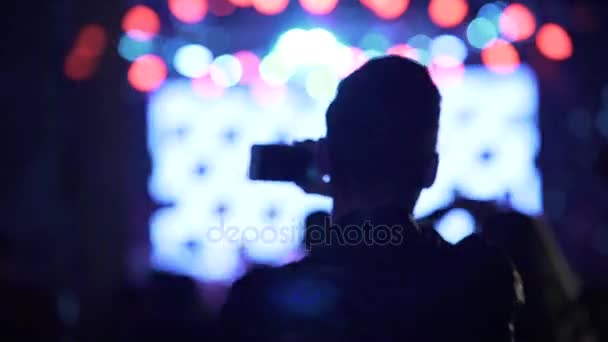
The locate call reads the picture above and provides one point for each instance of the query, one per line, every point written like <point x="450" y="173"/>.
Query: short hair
<point x="382" y="125"/>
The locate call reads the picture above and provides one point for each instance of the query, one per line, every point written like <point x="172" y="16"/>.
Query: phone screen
<point x="279" y="163"/>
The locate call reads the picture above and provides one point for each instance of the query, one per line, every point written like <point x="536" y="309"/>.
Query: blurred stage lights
<point x="141" y="22"/>
<point x="147" y="73"/>
<point x="456" y="225"/>
<point x="500" y="56"/>
<point x="318" y="7"/>
<point x="448" y="13"/>
<point x="374" y="41"/>
<point x="130" y="48"/>
<point x="321" y="84"/>
<point x="226" y="71"/>
<point x="82" y="60"/>
<point x="517" y="22"/>
<point x="554" y="42"/>
<point x="189" y="11"/>
<point x="387" y="9"/>
<point x="192" y="60"/>
<point x="250" y="63"/>
<point x="491" y="12"/>
<point x="481" y="32"/>
<point x="270" y="7"/>
<point x="448" y="46"/>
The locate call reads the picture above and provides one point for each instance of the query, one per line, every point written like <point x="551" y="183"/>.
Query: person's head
<point x="381" y="133"/>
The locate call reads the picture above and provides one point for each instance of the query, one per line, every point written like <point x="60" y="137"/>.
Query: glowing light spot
<point x="221" y="8"/>
<point x="500" y="56"/>
<point x="147" y="73"/>
<point x="554" y="42"/>
<point x="226" y="71"/>
<point x="319" y="7"/>
<point x="189" y="11"/>
<point x="446" y="71"/>
<point x="207" y="88"/>
<point x="270" y="7"/>
<point x="455" y="225"/>
<point x="321" y="85"/>
<point x="491" y="12"/>
<point x="266" y="94"/>
<point x="388" y="9"/>
<point x="448" y="46"/>
<point x="242" y="3"/>
<point x="358" y="58"/>
<point x="422" y="44"/>
<point x="91" y="41"/>
<point x="448" y="13"/>
<point x="517" y="22"/>
<point x="274" y="70"/>
<point x="374" y="41"/>
<point x="141" y="22"/>
<point x="192" y="60"/>
<point x="250" y="63"/>
<point x="480" y="32"/>
<point x="78" y="67"/>
<point x="130" y="48"/>
<point x="403" y="50"/>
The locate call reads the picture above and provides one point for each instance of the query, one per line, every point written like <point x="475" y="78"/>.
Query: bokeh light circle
<point x="402" y="50"/>
<point x="500" y="56"/>
<point x="221" y="8"/>
<point x="554" y="42"/>
<point x="130" y="49"/>
<point x="147" y="73"/>
<point x="517" y="22"/>
<point x="321" y="84"/>
<point x="448" y="13"/>
<point x="226" y="71"/>
<point x="491" y="12"/>
<point x="319" y="7"/>
<point x="388" y="9"/>
<point x="250" y="63"/>
<point x="78" y="67"/>
<point x="480" y="32"/>
<point x="192" y="60"/>
<point x="270" y="7"/>
<point x="91" y="41"/>
<point x="448" y="46"/>
<point x="141" y="22"/>
<point x="189" y="11"/>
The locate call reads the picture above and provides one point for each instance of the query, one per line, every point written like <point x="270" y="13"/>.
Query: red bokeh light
<point x="448" y="13"/>
<point x="251" y="66"/>
<point x="189" y="11"/>
<point x="500" y="56"/>
<point x="517" y="22"/>
<point x="147" y="73"/>
<point x="91" y="41"/>
<point x="206" y="88"/>
<point x="82" y="61"/>
<point x="319" y="6"/>
<point x="221" y="8"/>
<point x="270" y="7"/>
<point x="403" y="50"/>
<point x="141" y="22"/>
<point x="387" y="9"/>
<point x="242" y="3"/>
<point x="78" y="67"/>
<point x="554" y="42"/>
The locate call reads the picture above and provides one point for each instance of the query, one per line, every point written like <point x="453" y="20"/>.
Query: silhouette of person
<point x="376" y="275"/>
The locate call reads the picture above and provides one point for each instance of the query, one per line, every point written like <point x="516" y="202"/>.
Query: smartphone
<point x="283" y="163"/>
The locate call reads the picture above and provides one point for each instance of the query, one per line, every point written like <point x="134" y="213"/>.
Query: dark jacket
<point x="416" y="289"/>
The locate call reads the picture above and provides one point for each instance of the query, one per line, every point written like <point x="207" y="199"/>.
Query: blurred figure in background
<point x="376" y="275"/>
<point x="552" y="311"/>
